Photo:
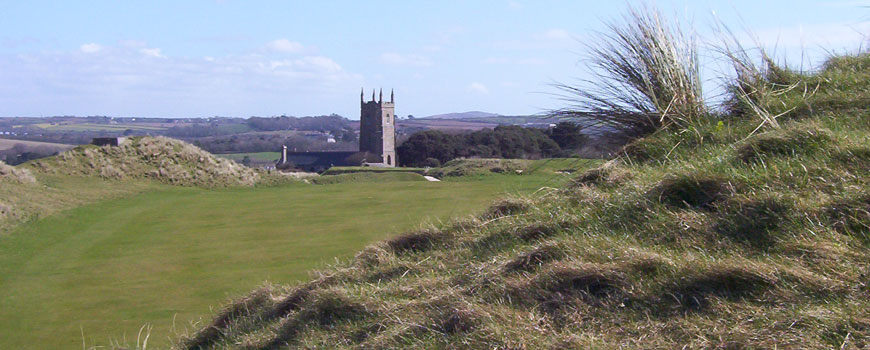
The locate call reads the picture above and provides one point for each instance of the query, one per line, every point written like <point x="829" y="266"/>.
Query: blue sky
<point x="264" y="58"/>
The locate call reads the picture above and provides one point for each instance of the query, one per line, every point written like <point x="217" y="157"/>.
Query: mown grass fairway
<point x="107" y="269"/>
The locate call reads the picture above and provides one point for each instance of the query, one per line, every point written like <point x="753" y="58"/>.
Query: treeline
<point x="246" y="143"/>
<point x="333" y="123"/>
<point x="433" y="147"/>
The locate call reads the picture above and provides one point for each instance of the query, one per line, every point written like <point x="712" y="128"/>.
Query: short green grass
<point x="260" y="156"/>
<point x="166" y="256"/>
<point x="336" y="170"/>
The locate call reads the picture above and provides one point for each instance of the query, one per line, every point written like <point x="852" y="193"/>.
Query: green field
<point x="166" y="256"/>
<point x="97" y="127"/>
<point x="255" y="156"/>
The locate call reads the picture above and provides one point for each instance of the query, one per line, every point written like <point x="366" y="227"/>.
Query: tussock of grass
<point x="533" y="259"/>
<point x="416" y="241"/>
<point x="851" y="216"/>
<point x="727" y="282"/>
<point x="789" y="142"/>
<point x="506" y="207"/>
<point x="751" y="221"/>
<point x="691" y="191"/>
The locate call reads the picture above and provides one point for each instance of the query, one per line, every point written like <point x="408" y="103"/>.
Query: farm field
<point x="9" y="143"/>
<point x="165" y="257"/>
<point x="98" y="127"/>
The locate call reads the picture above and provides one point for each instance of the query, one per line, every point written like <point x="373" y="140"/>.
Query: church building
<point x="377" y="140"/>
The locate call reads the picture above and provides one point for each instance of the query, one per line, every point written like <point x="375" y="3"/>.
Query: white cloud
<point x="285" y="46"/>
<point x="121" y="80"/>
<point x="90" y="48"/>
<point x="410" y="60"/>
<point x="156" y="53"/>
<point x="478" y="88"/>
<point x="558" y="34"/>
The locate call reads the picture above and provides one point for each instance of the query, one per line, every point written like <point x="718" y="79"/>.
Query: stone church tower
<point x="377" y="127"/>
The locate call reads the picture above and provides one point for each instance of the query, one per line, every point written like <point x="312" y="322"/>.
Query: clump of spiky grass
<point x="760" y="85"/>
<point x="646" y="76"/>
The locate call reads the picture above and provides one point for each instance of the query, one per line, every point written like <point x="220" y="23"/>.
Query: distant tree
<point x="410" y="116"/>
<point x="568" y="135"/>
<point x="428" y="144"/>
<point x="431" y="163"/>
<point x="246" y="161"/>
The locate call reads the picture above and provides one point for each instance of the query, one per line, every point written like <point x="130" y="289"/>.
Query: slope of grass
<point x="261" y="156"/>
<point x="708" y="238"/>
<point x="163" y="257"/>
<point x="368" y="177"/>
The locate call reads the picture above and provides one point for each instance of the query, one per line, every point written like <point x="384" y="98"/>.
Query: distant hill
<point x="464" y="115"/>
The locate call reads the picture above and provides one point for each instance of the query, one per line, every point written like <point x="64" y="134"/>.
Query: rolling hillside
<point x="723" y="235"/>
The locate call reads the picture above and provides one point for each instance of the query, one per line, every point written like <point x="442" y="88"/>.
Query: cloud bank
<point x="131" y="78"/>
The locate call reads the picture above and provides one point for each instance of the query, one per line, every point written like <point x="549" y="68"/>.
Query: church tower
<point x="377" y="127"/>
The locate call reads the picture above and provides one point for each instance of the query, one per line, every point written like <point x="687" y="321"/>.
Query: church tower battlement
<point x="377" y="127"/>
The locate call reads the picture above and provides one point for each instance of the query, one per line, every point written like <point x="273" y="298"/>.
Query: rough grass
<point x="158" y="158"/>
<point x="727" y="236"/>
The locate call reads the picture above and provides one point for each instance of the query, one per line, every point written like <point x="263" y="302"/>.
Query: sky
<point x="230" y="58"/>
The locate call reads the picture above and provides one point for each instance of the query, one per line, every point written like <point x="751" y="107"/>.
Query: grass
<point x="726" y="236"/>
<point x="362" y="177"/>
<point x="164" y="256"/>
<point x="256" y="156"/>
<point x="9" y="143"/>
<point x="646" y="76"/>
<point x="360" y="169"/>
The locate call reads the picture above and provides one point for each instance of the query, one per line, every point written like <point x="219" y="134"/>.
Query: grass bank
<point x="167" y="255"/>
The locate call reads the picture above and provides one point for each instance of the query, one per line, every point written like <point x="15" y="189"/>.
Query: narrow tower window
<point x="388" y="160"/>
<point x="388" y="118"/>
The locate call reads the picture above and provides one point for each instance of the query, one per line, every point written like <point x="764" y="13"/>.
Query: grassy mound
<point x="467" y="167"/>
<point x="159" y="158"/>
<point x="719" y="237"/>
<point x="13" y="174"/>
<point x="367" y="177"/>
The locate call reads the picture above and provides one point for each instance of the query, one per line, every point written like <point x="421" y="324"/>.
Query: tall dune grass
<point x="646" y="76"/>
<point x="759" y="83"/>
